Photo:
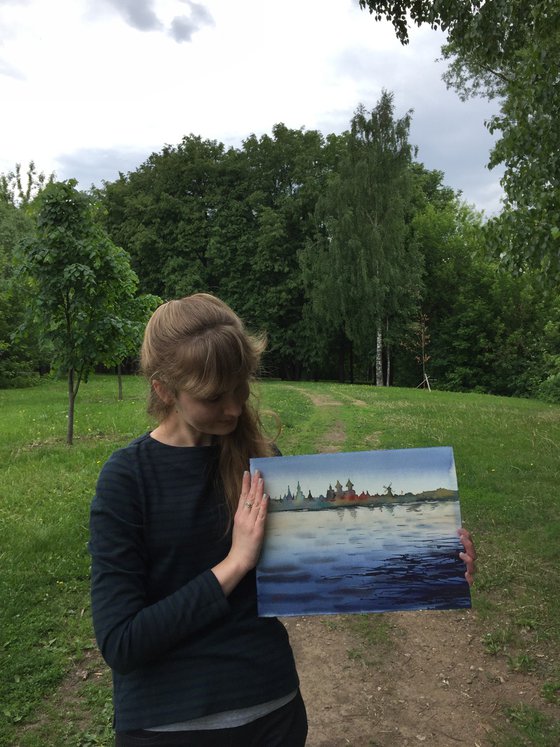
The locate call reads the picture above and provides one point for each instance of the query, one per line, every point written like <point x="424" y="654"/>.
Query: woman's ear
<point x="163" y="392"/>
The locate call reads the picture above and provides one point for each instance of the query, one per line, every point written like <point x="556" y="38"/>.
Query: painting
<point x="366" y="531"/>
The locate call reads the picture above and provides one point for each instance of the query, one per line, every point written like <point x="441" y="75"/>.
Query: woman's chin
<point x="225" y="428"/>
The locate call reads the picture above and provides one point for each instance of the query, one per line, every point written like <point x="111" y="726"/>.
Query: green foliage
<point x="83" y="287"/>
<point x="280" y="228"/>
<point x="509" y="49"/>
<point x="486" y="327"/>
<point x="287" y="175"/>
<point x="18" y="361"/>
<point x="361" y="273"/>
<point x="547" y="387"/>
<point x="198" y="217"/>
<point x="18" y="190"/>
<point x="523" y="74"/>
<point x="162" y="215"/>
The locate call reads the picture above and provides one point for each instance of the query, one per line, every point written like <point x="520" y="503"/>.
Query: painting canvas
<point x="368" y="531"/>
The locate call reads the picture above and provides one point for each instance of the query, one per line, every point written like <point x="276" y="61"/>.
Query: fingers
<point x="259" y="508"/>
<point x="245" y="487"/>
<point x="469" y="554"/>
<point x="467" y="542"/>
<point x="253" y="500"/>
<point x="249" y="523"/>
<point x="471" y="567"/>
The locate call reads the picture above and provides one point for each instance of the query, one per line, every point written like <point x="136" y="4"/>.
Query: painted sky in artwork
<point x="406" y="470"/>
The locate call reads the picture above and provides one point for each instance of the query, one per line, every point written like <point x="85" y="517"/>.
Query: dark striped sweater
<point x="178" y="648"/>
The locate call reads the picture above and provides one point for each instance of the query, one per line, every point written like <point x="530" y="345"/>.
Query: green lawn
<point x="507" y="453"/>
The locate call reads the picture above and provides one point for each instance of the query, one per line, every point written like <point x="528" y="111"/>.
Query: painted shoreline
<point x="321" y="503"/>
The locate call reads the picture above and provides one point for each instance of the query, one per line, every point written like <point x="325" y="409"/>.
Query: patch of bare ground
<point x="353" y="401"/>
<point x="373" y="440"/>
<point x="433" y="684"/>
<point x="430" y="683"/>
<point x="325" y="400"/>
<point x="67" y="701"/>
<point x="331" y="441"/>
<point x="319" y="400"/>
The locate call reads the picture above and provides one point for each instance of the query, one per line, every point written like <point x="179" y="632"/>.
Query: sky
<point x="90" y="88"/>
<point x="406" y="470"/>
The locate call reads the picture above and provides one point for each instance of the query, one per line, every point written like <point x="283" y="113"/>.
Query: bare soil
<point x="429" y="682"/>
<point x="433" y="685"/>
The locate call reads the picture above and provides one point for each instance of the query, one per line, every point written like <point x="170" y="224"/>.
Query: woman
<point x="177" y="525"/>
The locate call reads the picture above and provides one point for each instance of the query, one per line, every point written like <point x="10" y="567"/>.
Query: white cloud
<point x="102" y="82"/>
<point x="7" y="69"/>
<point x="183" y="27"/>
<point x="140" y="14"/>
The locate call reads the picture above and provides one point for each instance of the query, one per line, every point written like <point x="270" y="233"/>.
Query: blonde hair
<point x="199" y="345"/>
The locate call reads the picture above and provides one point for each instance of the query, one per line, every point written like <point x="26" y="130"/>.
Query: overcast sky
<point x="89" y="88"/>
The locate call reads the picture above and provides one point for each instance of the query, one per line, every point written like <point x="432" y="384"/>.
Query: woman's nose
<point x="233" y="406"/>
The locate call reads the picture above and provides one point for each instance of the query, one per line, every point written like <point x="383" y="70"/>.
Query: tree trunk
<point x="388" y="366"/>
<point x="379" y="357"/>
<point x="341" y="345"/>
<point x="71" y="401"/>
<point x="388" y="369"/>
<point x="119" y="378"/>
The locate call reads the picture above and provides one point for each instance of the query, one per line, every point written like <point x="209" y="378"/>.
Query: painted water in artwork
<point x="370" y="531"/>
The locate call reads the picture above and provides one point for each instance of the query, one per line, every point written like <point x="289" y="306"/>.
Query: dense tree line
<point x="359" y="262"/>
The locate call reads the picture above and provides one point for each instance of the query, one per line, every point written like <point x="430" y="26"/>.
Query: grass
<point x="53" y="690"/>
<point x="527" y="726"/>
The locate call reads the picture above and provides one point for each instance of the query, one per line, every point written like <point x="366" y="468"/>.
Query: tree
<point x="368" y="277"/>
<point x="162" y="215"/>
<point x="18" y="360"/>
<point x="19" y="190"/>
<point x="122" y="330"/>
<point x="198" y="217"/>
<point x="80" y="281"/>
<point x="287" y="172"/>
<point x="485" y="325"/>
<point x="508" y="49"/>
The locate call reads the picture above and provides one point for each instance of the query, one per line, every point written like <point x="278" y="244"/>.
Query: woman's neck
<point x="173" y="432"/>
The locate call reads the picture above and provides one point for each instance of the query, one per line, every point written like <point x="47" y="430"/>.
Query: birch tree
<point x="367" y="275"/>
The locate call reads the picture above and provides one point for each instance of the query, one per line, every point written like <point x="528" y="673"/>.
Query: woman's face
<point x="217" y="416"/>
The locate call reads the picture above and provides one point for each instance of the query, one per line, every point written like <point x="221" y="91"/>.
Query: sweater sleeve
<point x="131" y="632"/>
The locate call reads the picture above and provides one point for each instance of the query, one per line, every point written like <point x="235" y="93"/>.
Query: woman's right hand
<point x="248" y="533"/>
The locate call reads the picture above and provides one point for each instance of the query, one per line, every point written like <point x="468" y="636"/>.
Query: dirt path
<point x="432" y="683"/>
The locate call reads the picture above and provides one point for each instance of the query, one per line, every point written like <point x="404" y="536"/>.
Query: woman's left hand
<point x="468" y="555"/>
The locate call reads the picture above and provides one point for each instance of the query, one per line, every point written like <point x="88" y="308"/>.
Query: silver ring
<point x="248" y="504"/>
